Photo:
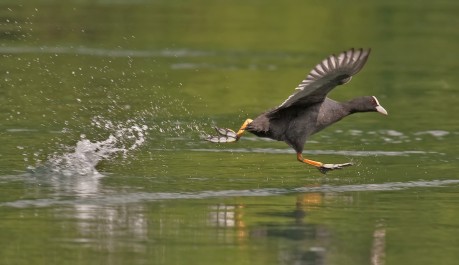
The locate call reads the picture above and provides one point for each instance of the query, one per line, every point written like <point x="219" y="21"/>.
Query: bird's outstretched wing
<point x="332" y="71"/>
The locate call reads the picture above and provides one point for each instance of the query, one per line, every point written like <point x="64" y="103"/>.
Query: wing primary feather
<point x="325" y="66"/>
<point x="332" y="71"/>
<point x="356" y="55"/>
<point x="341" y="59"/>
<point x="331" y="62"/>
<point x="336" y="60"/>
<point x="314" y="73"/>
<point x="319" y="69"/>
<point x="349" y="54"/>
<point x="344" y="58"/>
<point x="361" y="61"/>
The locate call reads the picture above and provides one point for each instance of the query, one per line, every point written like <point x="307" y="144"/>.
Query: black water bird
<point x="308" y="110"/>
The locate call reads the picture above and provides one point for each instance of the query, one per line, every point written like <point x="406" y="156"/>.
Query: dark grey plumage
<point x="296" y="123"/>
<point x="309" y="110"/>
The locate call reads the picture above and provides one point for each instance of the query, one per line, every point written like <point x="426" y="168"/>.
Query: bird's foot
<point x="224" y="136"/>
<point x="324" y="168"/>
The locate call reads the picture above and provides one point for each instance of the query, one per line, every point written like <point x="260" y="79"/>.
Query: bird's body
<point x="309" y="110"/>
<point x="295" y="124"/>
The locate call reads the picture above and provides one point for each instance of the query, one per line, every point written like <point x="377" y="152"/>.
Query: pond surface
<point x="103" y="106"/>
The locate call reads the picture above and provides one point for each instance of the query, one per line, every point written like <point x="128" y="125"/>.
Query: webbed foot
<point x="227" y="135"/>
<point x="324" y="168"/>
<point x="224" y="136"/>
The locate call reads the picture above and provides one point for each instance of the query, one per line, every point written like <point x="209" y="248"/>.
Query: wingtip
<point x="367" y="50"/>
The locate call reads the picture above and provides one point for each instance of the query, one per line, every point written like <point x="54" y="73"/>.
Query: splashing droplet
<point x="83" y="158"/>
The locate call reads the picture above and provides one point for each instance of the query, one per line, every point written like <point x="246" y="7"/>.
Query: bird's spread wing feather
<point x="332" y="71"/>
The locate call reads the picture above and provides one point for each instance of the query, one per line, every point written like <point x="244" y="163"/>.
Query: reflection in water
<point x="378" y="249"/>
<point x="103" y="227"/>
<point x="309" y="201"/>
<point x="228" y="216"/>
<point x="134" y="197"/>
<point x="99" y="225"/>
<point x="311" y="248"/>
<point x="300" y="241"/>
<point x="81" y="186"/>
<point x="303" y="241"/>
<point x="72" y="173"/>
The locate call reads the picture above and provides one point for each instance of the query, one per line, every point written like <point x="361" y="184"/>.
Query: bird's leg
<point x="242" y="129"/>
<point x="324" y="168"/>
<point x="227" y="135"/>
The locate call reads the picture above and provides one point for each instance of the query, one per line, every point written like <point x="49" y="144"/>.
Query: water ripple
<point x="105" y="52"/>
<point x="315" y="152"/>
<point x="116" y="199"/>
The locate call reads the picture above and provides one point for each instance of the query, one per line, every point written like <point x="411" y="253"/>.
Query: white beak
<point x="381" y="110"/>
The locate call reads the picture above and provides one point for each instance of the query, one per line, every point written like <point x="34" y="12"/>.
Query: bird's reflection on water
<point x="304" y="241"/>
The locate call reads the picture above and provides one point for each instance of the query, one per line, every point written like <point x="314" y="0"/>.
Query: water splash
<point x="79" y="147"/>
<point x="83" y="157"/>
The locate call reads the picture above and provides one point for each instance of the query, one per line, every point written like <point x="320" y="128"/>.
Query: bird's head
<point x="366" y="104"/>
<point x="378" y="106"/>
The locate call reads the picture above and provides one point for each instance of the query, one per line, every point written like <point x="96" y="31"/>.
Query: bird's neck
<point x="355" y="105"/>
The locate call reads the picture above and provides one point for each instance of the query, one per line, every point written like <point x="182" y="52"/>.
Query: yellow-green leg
<point x="242" y="129"/>
<point x="324" y="168"/>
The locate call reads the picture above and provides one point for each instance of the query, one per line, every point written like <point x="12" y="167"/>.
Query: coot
<point x="308" y="110"/>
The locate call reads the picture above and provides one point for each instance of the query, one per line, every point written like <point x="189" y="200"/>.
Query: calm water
<point x="103" y="105"/>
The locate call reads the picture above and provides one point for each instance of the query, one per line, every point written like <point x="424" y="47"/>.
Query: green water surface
<point x="76" y="70"/>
